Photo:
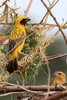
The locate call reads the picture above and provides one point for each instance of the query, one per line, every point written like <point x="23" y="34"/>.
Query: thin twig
<point x="55" y="21"/>
<point x="3" y="27"/>
<point x="15" y="4"/>
<point x="28" y="7"/>
<point x="3" y="38"/>
<point x="47" y="12"/>
<point x="48" y="76"/>
<point x="1" y="95"/>
<point x="49" y="2"/>
<point x="50" y="59"/>
<point x="22" y="77"/>
<point x="46" y="17"/>
<point x="3" y="3"/>
<point x="55" y="34"/>
<point x="2" y="18"/>
<point x="47" y="24"/>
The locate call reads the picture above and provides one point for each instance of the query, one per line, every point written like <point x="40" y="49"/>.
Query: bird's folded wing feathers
<point x="13" y="44"/>
<point x="51" y="82"/>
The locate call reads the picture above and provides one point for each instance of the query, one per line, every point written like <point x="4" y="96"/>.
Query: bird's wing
<point x="15" y="43"/>
<point x="51" y="82"/>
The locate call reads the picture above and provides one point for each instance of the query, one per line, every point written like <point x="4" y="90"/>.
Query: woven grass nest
<point x="30" y="58"/>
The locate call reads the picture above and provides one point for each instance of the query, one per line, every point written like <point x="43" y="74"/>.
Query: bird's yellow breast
<point x="16" y="51"/>
<point x="58" y="81"/>
<point x="15" y="34"/>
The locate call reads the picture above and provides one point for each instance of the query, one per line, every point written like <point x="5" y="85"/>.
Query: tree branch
<point x="28" y="7"/>
<point x="58" y="95"/>
<point x="63" y="55"/>
<point x="48" y="11"/>
<point x="16" y="88"/>
<point x="55" y="21"/>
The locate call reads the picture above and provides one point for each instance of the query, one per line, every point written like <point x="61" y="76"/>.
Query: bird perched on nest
<point x="16" y="42"/>
<point x="60" y="78"/>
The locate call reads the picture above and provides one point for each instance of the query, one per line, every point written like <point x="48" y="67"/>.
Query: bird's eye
<point x="59" y="73"/>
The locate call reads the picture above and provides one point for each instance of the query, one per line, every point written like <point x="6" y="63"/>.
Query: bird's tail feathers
<point x="15" y="64"/>
<point x="12" y="65"/>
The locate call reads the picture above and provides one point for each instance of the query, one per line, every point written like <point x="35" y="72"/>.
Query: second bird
<point x="60" y="78"/>
<point x="16" y="42"/>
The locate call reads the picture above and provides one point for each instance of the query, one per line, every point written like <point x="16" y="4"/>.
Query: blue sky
<point x="37" y="10"/>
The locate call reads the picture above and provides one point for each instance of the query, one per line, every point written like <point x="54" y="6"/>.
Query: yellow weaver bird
<point x="17" y="35"/>
<point x="60" y="78"/>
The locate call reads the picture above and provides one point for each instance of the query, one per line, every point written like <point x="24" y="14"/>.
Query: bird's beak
<point x="27" y="19"/>
<point x="56" y="74"/>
